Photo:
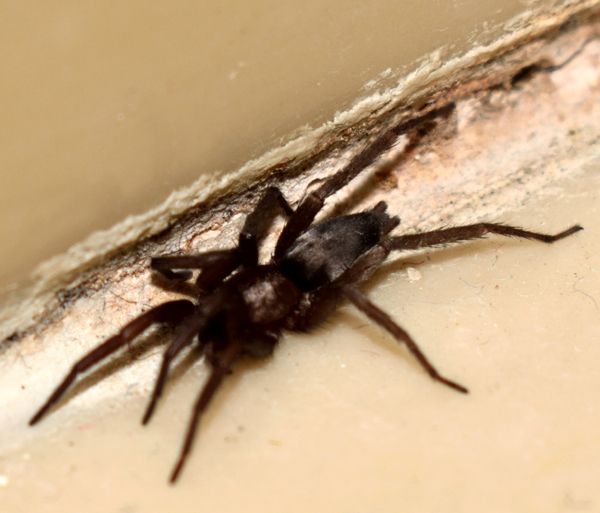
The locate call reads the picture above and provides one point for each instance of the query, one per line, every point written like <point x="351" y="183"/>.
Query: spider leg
<point x="367" y="263"/>
<point x="306" y="212"/>
<point x="315" y="308"/>
<point x="170" y="312"/>
<point x="194" y="325"/>
<point x="385" y="321"/>
<point x="258" y="222"/>
<point x="469" y="232"/>
<point x="215" y="266"/>
<point x="220" y="368"/>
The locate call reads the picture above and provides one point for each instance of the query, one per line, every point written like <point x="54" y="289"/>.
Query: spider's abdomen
<point x="326" y="250"/>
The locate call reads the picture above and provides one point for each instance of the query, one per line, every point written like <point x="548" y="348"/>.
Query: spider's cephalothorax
<point x="240" y="306"/>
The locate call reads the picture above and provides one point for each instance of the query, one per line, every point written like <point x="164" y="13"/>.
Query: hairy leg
<point x="367" y="263"/>
<point x="170" y="312"/>
<point x="385" y="321"/>
<point x="194" y="325"/>
<point x="469" y="232"/>
<point x="220" y="368"/>
<point x="305" y="214"/>
<point x="316" y="306"/>
<point x="258" y="222"/>
<point x="215" y="267"/>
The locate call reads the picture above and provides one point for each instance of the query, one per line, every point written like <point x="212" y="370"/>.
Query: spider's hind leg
<point x="306" y="212"/>
<point x="170" y="312"/>
<point x="385" y="321"/>
<point x="363" y="268"/>
<point x="311" y="205"/>
<point x="470" y="232"/>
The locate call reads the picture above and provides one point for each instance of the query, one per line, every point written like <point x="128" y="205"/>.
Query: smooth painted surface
<point x="107" y="107"/>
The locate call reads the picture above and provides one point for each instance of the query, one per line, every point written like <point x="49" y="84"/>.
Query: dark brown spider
<point x="242" y="306"/>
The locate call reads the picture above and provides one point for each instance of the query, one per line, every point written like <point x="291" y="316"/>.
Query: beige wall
<point x="107" y="107"/>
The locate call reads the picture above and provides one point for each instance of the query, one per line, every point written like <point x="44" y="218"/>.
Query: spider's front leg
<point x="258" y="222"/>
<point x="193" y="326"/>
<point x="171" y="312"/>
<point x="215" y="266"/>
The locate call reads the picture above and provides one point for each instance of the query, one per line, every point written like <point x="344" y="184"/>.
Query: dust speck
<point x="413" y="274"/>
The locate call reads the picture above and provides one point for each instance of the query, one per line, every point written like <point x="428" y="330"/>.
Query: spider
<point x="241" y="306"/>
